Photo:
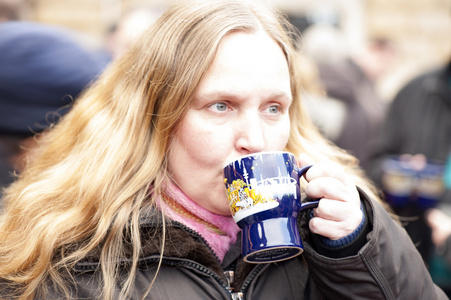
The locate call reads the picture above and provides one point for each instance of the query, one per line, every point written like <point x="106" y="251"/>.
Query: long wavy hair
<point x="92" y="174"/>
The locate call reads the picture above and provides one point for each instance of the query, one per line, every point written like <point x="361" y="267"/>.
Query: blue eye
<point x="220" y="106"/>
<point x="274" y="109"/>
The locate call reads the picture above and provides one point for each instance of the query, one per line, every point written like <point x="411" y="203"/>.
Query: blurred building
<point x="420" y="28"/>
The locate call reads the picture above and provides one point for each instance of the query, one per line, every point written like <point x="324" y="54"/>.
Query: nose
<point x="250" y="134"/>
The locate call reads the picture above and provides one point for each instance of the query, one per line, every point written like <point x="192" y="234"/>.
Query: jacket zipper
<point x="193" y="265"/>
<point x="251" y="276"/>
<point x="228" y="274"/>
<point x="234" y="296"/>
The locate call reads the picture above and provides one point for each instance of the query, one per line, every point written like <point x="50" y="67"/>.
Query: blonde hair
<point x="85" y="186"/>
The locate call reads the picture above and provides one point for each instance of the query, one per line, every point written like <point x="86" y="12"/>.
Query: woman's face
<point x="240" y="107"/>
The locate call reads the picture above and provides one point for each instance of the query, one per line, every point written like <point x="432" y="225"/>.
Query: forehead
<point x="245" y="61"/>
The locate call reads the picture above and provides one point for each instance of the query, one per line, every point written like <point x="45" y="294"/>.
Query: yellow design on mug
<point x="242" y="197"/>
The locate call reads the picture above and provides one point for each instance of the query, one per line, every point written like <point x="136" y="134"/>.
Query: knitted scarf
<point x="219" y="231"/>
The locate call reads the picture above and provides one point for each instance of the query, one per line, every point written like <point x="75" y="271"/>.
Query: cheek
<point x="196" y="151"/>
<point x="200" y="138"/>
<point x="196" y="142"/>
<point x="195" y="162"/>
<point x="287" y="135"/>
<point x="286" y="132"/>
<point x="183" y="149"/>
<point x="277" y="136"/>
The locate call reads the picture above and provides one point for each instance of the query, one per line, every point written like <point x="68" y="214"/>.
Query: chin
<point x="223" y="211"/>
<point x="226" y="212"/>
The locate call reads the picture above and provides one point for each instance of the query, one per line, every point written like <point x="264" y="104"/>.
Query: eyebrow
<point x="227" y="95"/>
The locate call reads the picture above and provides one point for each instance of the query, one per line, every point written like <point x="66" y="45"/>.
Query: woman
<point x="125" y="199"/>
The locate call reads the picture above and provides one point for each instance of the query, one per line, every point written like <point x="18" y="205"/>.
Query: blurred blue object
<point x="447" y="176"/>
<point x="43" y="68"/>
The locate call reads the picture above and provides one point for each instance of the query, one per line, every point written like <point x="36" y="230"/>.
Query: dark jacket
<point x="387" y="267"/>
<point x="418" y="121"/>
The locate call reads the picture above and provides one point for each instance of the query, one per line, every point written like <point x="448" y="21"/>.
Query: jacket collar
<point x="180" y="242"/>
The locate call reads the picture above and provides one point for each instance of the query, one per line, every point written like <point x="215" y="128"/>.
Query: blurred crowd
<point x="404" y="145"/>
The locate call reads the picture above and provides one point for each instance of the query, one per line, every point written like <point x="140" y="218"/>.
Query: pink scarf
<point x="219" y="231"/>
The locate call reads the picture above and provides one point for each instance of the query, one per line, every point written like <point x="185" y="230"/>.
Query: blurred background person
<point x="348" y="80"/>
<point x="13" y="10"/>
<point x="417" y="138"/>
<point x="43" y="68"/>
<point x="129" y="27"/>
<point x="350" y="110"/>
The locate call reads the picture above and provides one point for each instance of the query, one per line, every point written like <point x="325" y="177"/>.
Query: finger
<point x="331" y="229"/>
<point x="328" y="169"/>
<point x="332" y="188"/>
<point x="338" y="211"/>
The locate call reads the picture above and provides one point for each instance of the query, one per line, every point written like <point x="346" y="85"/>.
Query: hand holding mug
<point x="440" y="223"/>
<point x="338" y="213"/>
<point x="264" y="196"/>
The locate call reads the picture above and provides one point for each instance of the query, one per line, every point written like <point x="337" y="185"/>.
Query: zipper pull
<point x="230" y="276"/>
<point x="237" y="296"/>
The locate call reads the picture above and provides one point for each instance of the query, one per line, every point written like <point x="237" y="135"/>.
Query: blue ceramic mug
<point x="263" y="190"/>
<point x="430" y="187"/>
<point x="405" y="183"/>
<point x="398" y="180"/>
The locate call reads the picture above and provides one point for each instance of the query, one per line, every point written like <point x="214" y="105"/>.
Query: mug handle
<point x="312" y="204"/>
